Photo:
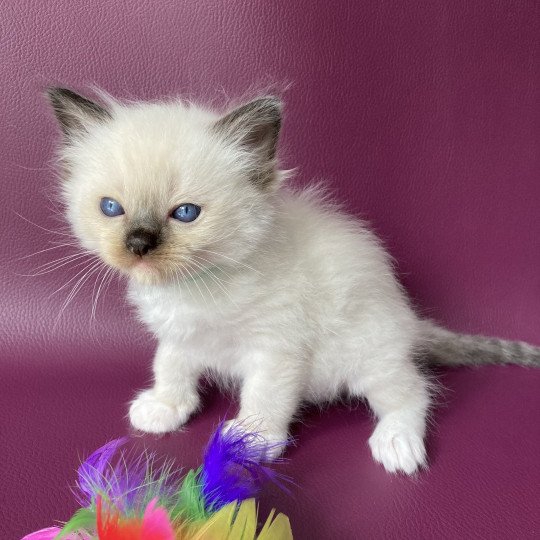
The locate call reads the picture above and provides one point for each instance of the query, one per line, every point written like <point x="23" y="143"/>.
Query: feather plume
<point x="127" y="482"/>
<point x="239" y="522"/>
<point x="127" y="497"/>
<point x="154" y="525"/>
<point x="95" y="473"/>
<point x="51" y="533"/>
<point x="44" y="534"/>
<point x="234" y="466"/>
<point x="84" y="518"/>
<point x="190" y="505"/>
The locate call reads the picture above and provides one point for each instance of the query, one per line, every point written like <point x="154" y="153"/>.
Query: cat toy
<point x="124" y="497"/>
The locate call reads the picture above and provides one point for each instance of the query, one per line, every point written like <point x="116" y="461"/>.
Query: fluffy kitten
<point x="237" y="275"/>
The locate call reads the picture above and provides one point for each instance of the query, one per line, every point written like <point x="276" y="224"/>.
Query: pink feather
<point x="50" y="533"/>
<point x="156" y="524"/>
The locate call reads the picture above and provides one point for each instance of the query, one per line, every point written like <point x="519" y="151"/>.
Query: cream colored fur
<point x="278" y="289"/>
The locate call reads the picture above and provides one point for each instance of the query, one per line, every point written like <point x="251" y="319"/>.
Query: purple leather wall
<point x="422" y="116"/>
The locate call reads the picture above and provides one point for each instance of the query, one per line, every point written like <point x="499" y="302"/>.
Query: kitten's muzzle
<point x="141" y="241"/>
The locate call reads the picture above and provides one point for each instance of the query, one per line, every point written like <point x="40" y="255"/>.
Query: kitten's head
<point x="165" y="190"/>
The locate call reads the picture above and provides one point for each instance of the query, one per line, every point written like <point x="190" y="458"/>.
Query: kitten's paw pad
<point x="271" y="444"/>
<point x="149" y="414"/>
<point x="398" y="449"/>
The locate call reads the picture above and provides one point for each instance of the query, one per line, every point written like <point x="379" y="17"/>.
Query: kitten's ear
<point x="255" y="126"/>
<point x="74" y="112"/>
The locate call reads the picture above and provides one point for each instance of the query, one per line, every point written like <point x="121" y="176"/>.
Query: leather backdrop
<point x="423" y="119"/>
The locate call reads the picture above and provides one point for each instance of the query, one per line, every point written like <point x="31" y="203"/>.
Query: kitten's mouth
<point x="145" y="266"/>
<point x="144" y="271"/>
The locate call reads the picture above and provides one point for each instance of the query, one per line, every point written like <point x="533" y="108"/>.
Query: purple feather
<point x="234" y="468"/>
<point x="96" y="471"/>
<point x="125" y="480"/>
<point x="120" y="480"/>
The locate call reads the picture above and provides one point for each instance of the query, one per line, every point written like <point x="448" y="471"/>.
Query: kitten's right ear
<point x="74" y="112"/>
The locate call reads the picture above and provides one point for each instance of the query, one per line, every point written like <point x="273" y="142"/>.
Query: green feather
<point x="85" y="518"/>
<point x="190" y="505"/>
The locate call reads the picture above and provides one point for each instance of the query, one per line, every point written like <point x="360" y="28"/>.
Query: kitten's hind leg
<point x="399" y="396"/>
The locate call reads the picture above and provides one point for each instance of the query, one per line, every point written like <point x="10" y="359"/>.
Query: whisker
<point x="56" y="265"/>
<point x="61" y="259"/>
<point x="231" y="259"/>
<point x="210" y="263"/>
<point x="108" y="280"/>
<point x="216" y="280"/>
<point x="24" y="167"/>
<point x="76" y="289"/>
<point x="227" y="234"/>
<point x="184" y="281"/>
<point x="43" y="228"/>
<point x="205" y="284"/>
<point x="91" y="264"/>
<point x="58" y="246"/>
<point x="194" y="280"/>
<point x="108" y="270"/>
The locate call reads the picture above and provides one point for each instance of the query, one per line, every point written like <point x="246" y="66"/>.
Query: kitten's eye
<point x="110" y="207"/>
<point x="186" y="212"/>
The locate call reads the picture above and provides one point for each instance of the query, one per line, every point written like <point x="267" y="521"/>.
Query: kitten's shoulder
<point x="314" y="206"/>
<point x="321" y="228"/>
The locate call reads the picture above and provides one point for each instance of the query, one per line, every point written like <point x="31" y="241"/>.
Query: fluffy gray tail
<point x="447" y="348"/>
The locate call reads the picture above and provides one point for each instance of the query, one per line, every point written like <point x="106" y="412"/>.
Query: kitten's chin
<point x="145" y="274"/>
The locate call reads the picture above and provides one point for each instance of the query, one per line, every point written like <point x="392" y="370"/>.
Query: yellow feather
<point x="245" y="523"/>
<point x="278" y="529"/>
<point x="216" y="528"/>
<point x="238" y="522"/>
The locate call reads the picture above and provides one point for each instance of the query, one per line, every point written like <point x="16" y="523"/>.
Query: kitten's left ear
<point x="255" y="127"/>
<point x="74" y="112"/>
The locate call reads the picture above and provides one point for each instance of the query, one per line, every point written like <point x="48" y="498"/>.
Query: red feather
<point x="154" y="525"/>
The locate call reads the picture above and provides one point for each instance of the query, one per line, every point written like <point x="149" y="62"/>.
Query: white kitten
<point x="239" y="276"/>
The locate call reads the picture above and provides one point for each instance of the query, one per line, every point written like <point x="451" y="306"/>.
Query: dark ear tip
<point x="273" y="103"/>
<point x="58" y="93"/>
<point x="52" y="93"/>
<point x="73" y="111"/>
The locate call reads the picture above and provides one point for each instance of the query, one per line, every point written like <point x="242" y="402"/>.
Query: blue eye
<point x="186" y="212"/>
<point x="110" y="207"/>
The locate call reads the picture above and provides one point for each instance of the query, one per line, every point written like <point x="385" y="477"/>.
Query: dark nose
<point x="141" y="241"/>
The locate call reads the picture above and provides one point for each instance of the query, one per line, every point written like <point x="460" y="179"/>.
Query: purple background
<point x="423" y="119"/>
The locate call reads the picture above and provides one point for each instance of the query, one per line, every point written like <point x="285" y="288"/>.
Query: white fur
<point x="278" y="290"/>
<point x="319" y="314"/>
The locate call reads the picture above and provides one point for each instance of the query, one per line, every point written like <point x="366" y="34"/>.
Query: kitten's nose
<point x="141" y="241"/>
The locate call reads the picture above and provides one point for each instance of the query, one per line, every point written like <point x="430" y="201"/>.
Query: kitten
<point x="239" y="276"/>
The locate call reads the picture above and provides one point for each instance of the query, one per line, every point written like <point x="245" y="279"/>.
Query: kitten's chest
<point x="210" y="331"/>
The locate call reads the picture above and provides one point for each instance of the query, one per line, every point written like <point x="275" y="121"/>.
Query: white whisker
<point x="88" y="272"/>
<point x="52" y="266"/>
<point x="58" y="246"/>
<point x="91" y="264"/>
<point x="194" y="280"/>
<point x="210" y="263"/>
<point x="231" y="259"/>
<point x="96" y="297"/>
<point x="215" y="279"/>
<point x="43" y="228"/>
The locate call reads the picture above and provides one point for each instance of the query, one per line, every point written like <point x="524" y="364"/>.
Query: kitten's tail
<point x="447" y="348"/>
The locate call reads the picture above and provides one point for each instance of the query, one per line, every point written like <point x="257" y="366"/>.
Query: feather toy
<point x="127" y="497"/>
<point x="233" y="468"/>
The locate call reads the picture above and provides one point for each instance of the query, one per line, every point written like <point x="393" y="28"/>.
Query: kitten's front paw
<point x="397" y="447"/>
<point x="272" y="443"/>
<point x="150" y="414"/>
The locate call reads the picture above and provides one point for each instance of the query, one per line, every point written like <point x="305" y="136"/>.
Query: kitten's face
<point x="163" y="191"/>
